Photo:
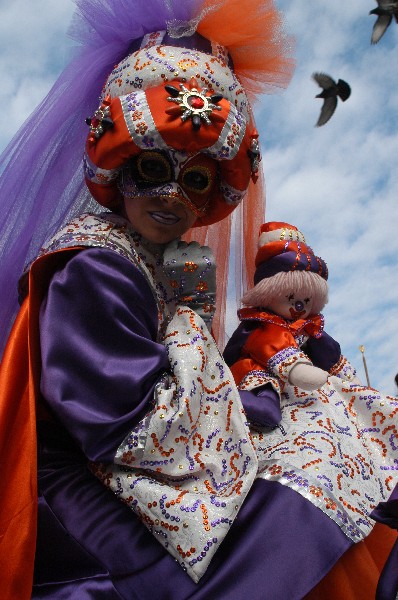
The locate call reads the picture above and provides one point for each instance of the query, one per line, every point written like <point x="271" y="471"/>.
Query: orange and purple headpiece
<point x="282" y="248"/>
<point x="169" y="100"/>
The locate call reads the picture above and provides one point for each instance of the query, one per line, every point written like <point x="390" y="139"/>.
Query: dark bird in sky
<point x="386" y="10"/>
<point x="331" y="90"/>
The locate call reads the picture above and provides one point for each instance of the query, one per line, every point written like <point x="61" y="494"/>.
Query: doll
<point x="282" y="328"/>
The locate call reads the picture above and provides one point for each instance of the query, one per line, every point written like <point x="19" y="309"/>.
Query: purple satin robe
<point x="101" y="361"/>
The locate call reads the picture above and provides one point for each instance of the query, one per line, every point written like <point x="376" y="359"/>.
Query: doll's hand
<point x="192" y="272"/>
<point x="307" y="377"/>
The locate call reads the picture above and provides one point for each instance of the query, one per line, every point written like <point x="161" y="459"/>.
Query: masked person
<point x="110" y="372"/>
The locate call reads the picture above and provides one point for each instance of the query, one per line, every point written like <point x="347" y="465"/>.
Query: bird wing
<point x="327" y="110"/>
<point x="387" y="4"/>
<point x="324" y="81"/>
<point x="380" y="27"/>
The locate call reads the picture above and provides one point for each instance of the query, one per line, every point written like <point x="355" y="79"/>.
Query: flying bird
<point x="331" y="90"/>
<point x="386" y="10"/>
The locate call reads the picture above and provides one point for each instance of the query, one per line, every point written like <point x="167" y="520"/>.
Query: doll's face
<point x="292" y="306"/>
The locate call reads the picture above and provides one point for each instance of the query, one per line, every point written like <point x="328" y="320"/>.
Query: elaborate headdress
<point x="176" y="95"/>
<point x="199" y="46"/>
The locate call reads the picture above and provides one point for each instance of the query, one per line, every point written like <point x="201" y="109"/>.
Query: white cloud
<point x="33" y="49"/>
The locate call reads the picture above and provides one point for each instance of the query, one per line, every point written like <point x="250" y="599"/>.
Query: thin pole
<point x="362" y="349"/>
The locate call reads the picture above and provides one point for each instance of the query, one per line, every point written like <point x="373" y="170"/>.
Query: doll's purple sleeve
<point x="100" y="357"/>
<point x="237" y="340"/>
<point x="262" y="406"/>
<point x="324" y="352"/>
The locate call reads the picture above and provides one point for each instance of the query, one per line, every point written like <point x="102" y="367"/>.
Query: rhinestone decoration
<point x="254" y="155"/>
<point x="194" y="103"/>
<point x="100" y="121"/>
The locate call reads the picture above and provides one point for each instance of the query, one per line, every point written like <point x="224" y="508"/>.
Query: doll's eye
<point x="291" y="297"/>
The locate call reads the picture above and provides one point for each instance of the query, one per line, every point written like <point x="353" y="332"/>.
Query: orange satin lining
<point x="19" y="381"/>
<point x="18" y="506"/>
<point x="356" y="574"/>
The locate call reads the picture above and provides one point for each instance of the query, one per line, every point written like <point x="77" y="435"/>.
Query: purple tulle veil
<point x="41" y="181"/>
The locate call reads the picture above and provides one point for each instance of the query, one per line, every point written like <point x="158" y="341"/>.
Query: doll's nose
<point x="299" y="305"/>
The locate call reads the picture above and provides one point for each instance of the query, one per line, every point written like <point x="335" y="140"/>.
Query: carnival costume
<point x="139" y="423"/>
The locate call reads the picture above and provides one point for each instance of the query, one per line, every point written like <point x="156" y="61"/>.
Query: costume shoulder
<point x="20" y="377"/>
<point x="87" y="230"/>
<point x="109" y="231"/>
<point x="105" y="230"/>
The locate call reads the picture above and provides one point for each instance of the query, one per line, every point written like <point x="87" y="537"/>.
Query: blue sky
<point x="337" y="183"/>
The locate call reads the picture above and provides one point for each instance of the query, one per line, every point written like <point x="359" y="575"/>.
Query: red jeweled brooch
<point x="193" y="103"/>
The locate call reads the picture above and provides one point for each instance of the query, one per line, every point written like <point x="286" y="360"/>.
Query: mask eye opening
<point x="153" y="167"/>
<point x="197" y="179"/>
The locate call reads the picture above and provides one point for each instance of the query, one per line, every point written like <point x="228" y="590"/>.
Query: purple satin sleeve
<point x="387" y="513"/>
<point x="324" y="352"/>
<point x="100" y="358"/>
<point x="262" y="406"/>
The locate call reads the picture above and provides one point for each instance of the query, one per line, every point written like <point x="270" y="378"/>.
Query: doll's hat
<point x="282" y="248"/>
<point x="176" y="93"/>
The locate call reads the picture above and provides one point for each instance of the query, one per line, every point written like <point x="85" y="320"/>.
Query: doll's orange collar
<point x="312" y="325"/>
